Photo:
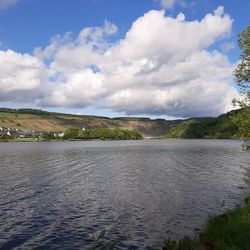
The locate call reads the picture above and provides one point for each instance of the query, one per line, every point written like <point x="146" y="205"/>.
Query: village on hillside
<point x="8" y="133"/>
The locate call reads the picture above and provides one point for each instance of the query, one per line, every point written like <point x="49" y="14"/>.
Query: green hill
<point x="232" y="125"/>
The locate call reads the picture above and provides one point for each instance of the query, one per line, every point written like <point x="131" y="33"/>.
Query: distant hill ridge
<point x="36" y="119"/>
<point x="234" y="124"/>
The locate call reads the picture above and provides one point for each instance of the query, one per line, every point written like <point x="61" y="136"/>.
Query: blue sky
<point x="30" y="24"/>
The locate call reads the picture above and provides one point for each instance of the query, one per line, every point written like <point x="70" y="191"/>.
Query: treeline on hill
<point x="232" y="125"/>
<point x="102" y="134"/>
<point x="47" y="113"/>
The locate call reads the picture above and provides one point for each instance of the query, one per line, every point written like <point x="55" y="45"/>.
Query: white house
<point x="61" y="134"/>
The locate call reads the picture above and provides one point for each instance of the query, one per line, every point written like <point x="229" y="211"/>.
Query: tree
<point x="242" y="71"/>
<point x="71" y="133"/>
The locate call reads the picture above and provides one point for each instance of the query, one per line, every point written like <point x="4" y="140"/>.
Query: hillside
<point x="232" y="125"/>
<point x="39" y="120"/>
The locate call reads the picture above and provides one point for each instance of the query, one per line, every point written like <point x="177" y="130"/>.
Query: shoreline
<point x="145" y="138"/>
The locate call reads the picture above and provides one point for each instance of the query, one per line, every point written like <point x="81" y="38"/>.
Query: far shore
<point x="145" y="138"/>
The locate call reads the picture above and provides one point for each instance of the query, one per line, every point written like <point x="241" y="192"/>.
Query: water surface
<point x="55" y="195"/>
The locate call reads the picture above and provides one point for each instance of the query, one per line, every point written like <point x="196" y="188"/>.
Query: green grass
<point x="230" y="230"/>
<point x="20" y="140"/>
<point x="30" y="140"/>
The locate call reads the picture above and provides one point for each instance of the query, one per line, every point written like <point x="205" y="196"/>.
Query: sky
<point x="151" y="58"/>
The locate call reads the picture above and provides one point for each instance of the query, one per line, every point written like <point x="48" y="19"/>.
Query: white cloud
<point x="219" y="11"/>
<point x="87" y="49"/>
<point x="197" y="86"/>
<point x="21" y="76"/>
<point x="82" y="88"/>
<point x="4" y="4"/>
<point x="163" y="66"/>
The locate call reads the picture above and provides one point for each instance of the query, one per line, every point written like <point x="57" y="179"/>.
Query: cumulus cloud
<point x="21" y="77"/>
<point x="4" y="4"/>
<point x="163" y="66"/>
<point x="197" y="86"/>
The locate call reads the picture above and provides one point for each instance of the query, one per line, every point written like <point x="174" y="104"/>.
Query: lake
<point x="55" y="195"/>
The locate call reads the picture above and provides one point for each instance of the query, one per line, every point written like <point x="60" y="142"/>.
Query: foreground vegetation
<point x="242" y="72"/>
<point x="232" y="125"/>
<point x="102" y="134"/>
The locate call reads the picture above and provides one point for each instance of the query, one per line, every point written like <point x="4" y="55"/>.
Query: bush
<point x="71" y="133"/>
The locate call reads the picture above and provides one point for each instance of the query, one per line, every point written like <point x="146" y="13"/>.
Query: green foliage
<point x="242" y="72"/>
<point x="132" y="118"/>
<point x="48" y="135"/>
<point x="234" y="124"/>
<point x="46" y="113"/>
<point x="102" y="134"/>
<point x="6" y="137"/>
<point x="246" y="146"/>
<point x="231" y="230"/>
<point x="71" y="133"/>
<point x="180" y="131"/>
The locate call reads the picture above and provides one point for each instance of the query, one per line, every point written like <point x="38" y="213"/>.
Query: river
<point x="54" y="195"/>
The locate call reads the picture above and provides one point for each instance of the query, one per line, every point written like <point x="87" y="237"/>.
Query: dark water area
<point x="55" y="195"/>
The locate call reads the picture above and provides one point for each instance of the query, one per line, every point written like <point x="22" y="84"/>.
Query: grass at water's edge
<point x="29" y="140"/>
<point x="229" y="231"/>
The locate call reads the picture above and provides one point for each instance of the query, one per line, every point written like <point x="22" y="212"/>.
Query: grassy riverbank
<point x="229" y="231"/>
